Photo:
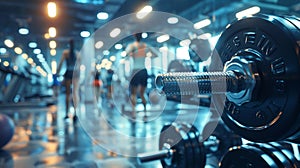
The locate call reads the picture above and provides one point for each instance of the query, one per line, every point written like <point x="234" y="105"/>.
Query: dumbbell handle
<point x="193" y="83"/>
<point x="157" y="155"/>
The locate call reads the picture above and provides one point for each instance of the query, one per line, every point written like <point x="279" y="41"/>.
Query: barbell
<point x="254" y="78"/>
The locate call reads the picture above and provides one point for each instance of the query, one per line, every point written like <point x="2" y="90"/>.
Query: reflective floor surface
<point x="105" y="136"/>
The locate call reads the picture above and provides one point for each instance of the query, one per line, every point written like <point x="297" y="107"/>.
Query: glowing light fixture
<point x="202" y="23"/>
<point x="52" y="32"/>
<point x="163" y="38"/>
<point x="102" y="15"/>
<point x="53" y="67"/>
<point x="172" y="20"/>
<point x="99" y="44"/>
<point x="32" y="44"/>
<point x="23" y="31"/>
<point x="52" y="44"/>
<point x="105" y="52"/>
<point x="3" y="50"/>
<point x="118" y="46"/>
<point x="85" y="34"/>
<point x="144" y="12"/>
<point x="112" y="58"/>
<point x="25" y="56"/>
<point x="51" y="6"/>
<point x="204" y="36"/>
<point x="18" y="50"/>
<point x="185" y="43"/>
<point x="123" y="53"/>
<point x="115" y="32"/>
<point x="53" y="52"/>
<point x="6" y="63"/>
<point x="247" y="12"/>
<point x="37" y="51"/>
<point x="144" y="35"/>
<point x="9" y="43"/>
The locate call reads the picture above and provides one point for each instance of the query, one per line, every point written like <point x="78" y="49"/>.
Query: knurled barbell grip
<point x="157" y="155"/>
<point x="192" y="83"/>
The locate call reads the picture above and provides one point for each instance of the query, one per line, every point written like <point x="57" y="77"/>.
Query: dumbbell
<point x="272" y="154"/>
<point x="253" y="78"/>
<point x="181" y="145"/>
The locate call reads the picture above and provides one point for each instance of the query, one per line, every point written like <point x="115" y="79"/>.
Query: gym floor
<point x="105" y="135"/>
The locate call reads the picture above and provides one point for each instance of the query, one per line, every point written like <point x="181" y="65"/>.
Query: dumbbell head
<point x="272" y="112"/>
<point x="253" y="78"/>
<point x="258" y="155"/>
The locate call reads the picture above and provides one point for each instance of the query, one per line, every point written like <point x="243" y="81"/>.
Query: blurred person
<point x="70" y="56"/>
<point x="97" y="83"/>
<point x="109" y="77"/>
<point x="137" y="50"/>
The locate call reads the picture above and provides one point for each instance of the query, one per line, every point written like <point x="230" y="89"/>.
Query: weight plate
<point x="277" y="156"/>
<point x="287" y="152"/>
<point x="246" y="156"/>
<point x="273" y="112"/>
<point x="172" y="137"/>
<point x="185" y="132"/>
<point x="199" y="151"/>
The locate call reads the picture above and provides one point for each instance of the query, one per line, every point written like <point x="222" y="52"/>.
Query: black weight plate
<point x="246" y="156"/>
<point x="277" y="156"/>
<point x="287" y="152"/>
<point x="171" y="135"/>
<point x="273" y="113"/>
<point x="199" y="153"/>
<point x="185" y="132"/>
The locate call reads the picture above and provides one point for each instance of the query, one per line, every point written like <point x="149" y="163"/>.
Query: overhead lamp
<point x="54" y="67"/>
<point x="172" y="20"/>
<point x="144" y="35"/>
<point x="18" y="50"/>
<point x="53" y="52"/>
<point x="51" y="6"/>
<point x="46" y="36"/>
<point x="9" y="43"/>
<point x="247" y="12"/>
<point x="23" y="31"/>
<point x="32" y="44"/>
<point x="144" y="12"/>
<point x="115" y="32"/>
<point x="3" y="50"/>
<point x="6" y="63"/>
<point x="24" y="56"/>
<point x="123" y="53"/>
<point x="37" y="51"/>
<point x="185" y="43"/>
<point x="99" y="44"/>
<point x="102" y="15"/>
<point x="163" y="38"/>
<point x="118" y="46"/>
<point x="52" y="44"/>
<point x="85" y="34"/>
<point x="106" y="52"/>
<point x="112" y="58"/>
<point x="40" y="56"/>
<point x="204" y="36"/>
<point x="30" y="60"/>
<point x="52" y="32"/>
<point x="202" y="23"/>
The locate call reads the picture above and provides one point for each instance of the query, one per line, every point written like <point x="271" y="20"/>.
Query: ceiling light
<point x="46" y="36"/>
<point x="112" y="58"/>
<point x="25" y="56"/>
<point x="32" y="44"/>
<point x="3" y="50"/>
<point x="18" y="50"/>
<point x="51" y="6"/>
<point x="24" y="31"/>
<point x="40" y="56"/>
<point x="204" y="36"/>
<point x="202" y="23"/>
<point x="37" y="51"/>
<point x="172" y="20"/>
<point x="52" y="31"/>
<point x="102" y="15"/>
<point x="9" y="43"/>
<point x="53" y="52"/>
<point x="115" y="32"/>
<point x="6" y="63"/>
<point x="106" y="52"/>
<point x="118" y="46"/>
<point x="30" y="60"/>
<point x="85" y="34"/>
<point x="123" y="53"/>
<point x="144" y="35"/>
<point x="185" y="43"/>
<point x="144" y="12"/>
<point x="99" y="44"/>
<point x="163" y="38"/>
<point x="52" y="44"/>
<point x="248" y="12"/>
<point x="53" y="67"/>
